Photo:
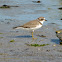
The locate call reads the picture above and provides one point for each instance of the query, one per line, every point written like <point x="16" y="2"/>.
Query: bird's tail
<point x="18" y="27"/>
<point x="14" y="27"/>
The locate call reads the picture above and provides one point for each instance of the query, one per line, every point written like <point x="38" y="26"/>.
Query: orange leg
<point x="33" y="36"/>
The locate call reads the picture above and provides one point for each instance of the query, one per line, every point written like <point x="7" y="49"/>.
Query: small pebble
<point x="54" y="45"/>
<point x="38" y="48"/>
<point x="41" y="35"/>
<point x="38" y="1"/>
<point x="47" y="28"/>
<point x="8" y="22"/>
<point x="48" y="50"/>
<point x="17" y="31"/>
<point x="52" y="23"/>
<point x="60" y="8"/>
<point x="60" y="43"/>
<point x="5" y="6"/>
<point x="61" y="19"/>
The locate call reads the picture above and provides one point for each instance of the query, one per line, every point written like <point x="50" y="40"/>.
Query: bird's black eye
<point x="42" y="19"/>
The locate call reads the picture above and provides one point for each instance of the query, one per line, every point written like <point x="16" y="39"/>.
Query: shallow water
<point x="29" y="10"/>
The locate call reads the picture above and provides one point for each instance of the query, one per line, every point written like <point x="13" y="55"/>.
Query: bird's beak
<point x="45" y="20"/>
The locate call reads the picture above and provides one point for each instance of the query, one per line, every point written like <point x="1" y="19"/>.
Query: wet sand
<point x="18" y="51"/>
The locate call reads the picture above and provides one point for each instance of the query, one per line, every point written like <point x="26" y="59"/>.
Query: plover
<point x="32" y="25"/>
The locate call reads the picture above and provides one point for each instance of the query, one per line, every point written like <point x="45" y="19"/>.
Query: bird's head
<point x="41" y="19"/>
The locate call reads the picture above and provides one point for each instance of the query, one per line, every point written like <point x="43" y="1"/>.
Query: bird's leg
<point x="33" y="36"/>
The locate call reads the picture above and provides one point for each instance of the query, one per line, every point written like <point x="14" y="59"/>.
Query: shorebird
<point x="32" y="25"/>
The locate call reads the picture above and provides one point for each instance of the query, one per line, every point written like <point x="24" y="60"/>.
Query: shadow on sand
<point x="57" y="41"/>
<point x="22" y="36"/>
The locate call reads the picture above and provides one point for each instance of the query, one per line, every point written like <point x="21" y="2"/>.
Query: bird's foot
<point x="34" y="38"/>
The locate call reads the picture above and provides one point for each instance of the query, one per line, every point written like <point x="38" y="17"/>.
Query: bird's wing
<point x="30" y="24"/>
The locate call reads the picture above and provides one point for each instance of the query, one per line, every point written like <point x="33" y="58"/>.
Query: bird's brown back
<point x="31" y="24"/>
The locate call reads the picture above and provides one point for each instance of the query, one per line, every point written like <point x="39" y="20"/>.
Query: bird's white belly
<point x="37" y="27"/>
<point x="34" y="28"/>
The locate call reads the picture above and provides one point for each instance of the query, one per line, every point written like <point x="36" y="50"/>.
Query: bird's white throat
<point x="41" y="21"/>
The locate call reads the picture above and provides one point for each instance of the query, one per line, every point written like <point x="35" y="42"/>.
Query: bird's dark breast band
<point x="40" y="22"/>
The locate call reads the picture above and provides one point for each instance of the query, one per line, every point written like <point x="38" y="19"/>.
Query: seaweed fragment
<point x="37" y="45"/>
